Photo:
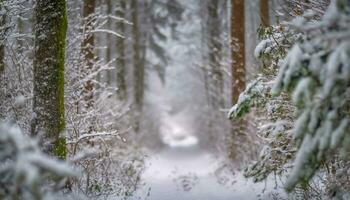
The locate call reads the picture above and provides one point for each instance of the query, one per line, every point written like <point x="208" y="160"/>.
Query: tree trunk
<point x="2" y="41"/>
<point x="2" y="61"/>
<point x="49" y="56"/>
<point x="264" y="13"/>
<point x="88" y="48"/>
<point x="139" y="69"/>
<point x="120" y="64"/>
<point x="238" y="48"/>
<point x="238" y="132"/>
<point x="109" y="45"/>
<point x="215" y="50"/>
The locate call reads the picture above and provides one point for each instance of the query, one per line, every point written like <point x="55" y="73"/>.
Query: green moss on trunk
<point x="48" y="101"/>
<point x="60" y="148"/>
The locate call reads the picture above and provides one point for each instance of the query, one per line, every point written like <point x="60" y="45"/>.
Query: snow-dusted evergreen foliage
<point x="316" y="73"/>
<point x="25" y="171"/>
<point x="253" y="96"/>
<point x="274" y="113"/>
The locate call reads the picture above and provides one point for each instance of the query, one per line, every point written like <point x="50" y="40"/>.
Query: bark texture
<point x="238" y="132"/>
<point x="48" y="100"/>
<point x="238" y="48"/>
<point x="264" y="12"/>
<point x="2" y="41"/>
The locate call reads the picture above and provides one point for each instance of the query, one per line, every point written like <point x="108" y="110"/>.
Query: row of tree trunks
<point x="49" y="59"/>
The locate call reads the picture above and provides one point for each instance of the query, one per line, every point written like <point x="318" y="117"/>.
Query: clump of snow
<point x="337" y="67"/>
<point x="23" y="167"/>
<point x="261" y="47"/>
<point x="298" y="21"/>
<point x="304" y="91"/>
<point x="249" y="98"/>
<point x="20" y="101"/>
<point x="291" y="66"/>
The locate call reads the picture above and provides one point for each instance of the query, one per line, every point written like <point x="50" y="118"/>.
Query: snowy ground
<point x="186" y="169"/>
<point x="189" y="172"/>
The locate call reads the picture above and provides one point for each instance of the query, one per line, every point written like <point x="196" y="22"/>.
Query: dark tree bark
<point x="238" y="131"/>
<point x="264" y="13"/>
<point x="49" y="56"/>
<point x="120" y="64"/>
<point x="238" y="48"/>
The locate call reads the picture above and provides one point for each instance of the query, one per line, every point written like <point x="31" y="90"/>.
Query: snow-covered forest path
<point x="184" y="165"/>
<point x="191" y="172"/>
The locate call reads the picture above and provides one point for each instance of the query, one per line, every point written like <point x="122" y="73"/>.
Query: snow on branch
<point x="107" y="31"/>
<point x="92" y="135"/>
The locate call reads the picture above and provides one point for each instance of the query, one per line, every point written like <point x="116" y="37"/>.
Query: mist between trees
<point x="92" y="92"/>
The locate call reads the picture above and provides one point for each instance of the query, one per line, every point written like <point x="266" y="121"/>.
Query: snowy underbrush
<point x="28" y="173"/>
<point x="97" y="121"/>
<point x="96" y="141"/>
<point x="112" y="170"/>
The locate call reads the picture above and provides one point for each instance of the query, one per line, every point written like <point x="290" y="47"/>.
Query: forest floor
<point x="193" y="173"/>
<point x="183" y="169"/>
